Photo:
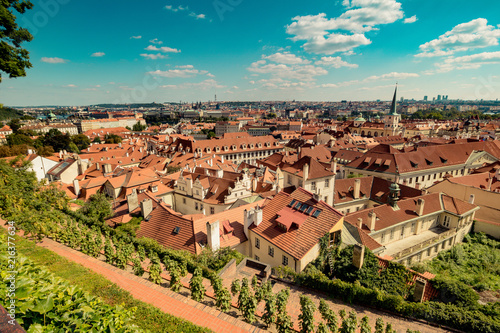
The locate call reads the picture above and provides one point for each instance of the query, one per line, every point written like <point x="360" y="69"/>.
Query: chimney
<point x="471" y="199"/>
<point x="420" y="206"/>
<point x="497" y="174"/>
<point x="360" y="223"/>
<point x="132" y="201"/>
<point x="97" y="166"/>
<point x="213" y="235"/>
<point x="107" y="168"/>
<point x="305" y="171"/>
<point x="146" y="207"/>
<point x="334" y="167"/>
<point x="76" y="187"/>
<point x="357" y="188"/>
<point x="258" y="216"/>
<point x="126" y="154"/>
<point x="373" y="219"/>
<point x="254" y="184"/>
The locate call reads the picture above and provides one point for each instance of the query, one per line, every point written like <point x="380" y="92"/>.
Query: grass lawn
<point x="147" y="316"/>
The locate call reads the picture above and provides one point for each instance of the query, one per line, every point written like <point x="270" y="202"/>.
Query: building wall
<point x="41" y="165"/>
<point x="188" y="205"/>
<point x="69" y="174"/>
<point x="492" y="229"/>
<point x="316" y="186"/>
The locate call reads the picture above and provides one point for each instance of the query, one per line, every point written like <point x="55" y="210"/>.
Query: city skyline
<point x="94" y="52"/>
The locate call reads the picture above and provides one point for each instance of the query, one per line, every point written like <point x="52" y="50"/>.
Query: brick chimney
<point x="146" y="207"/>
<point x="213" y="235"/>
<point x="306" y="171"/>
<point x="420" y="206"/>
<point x="373" y="219"/>
<point x="360" y="223"/>
<point x="357" y="188"/>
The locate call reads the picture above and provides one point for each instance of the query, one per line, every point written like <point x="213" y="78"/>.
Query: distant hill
<point x="8" y="113"/>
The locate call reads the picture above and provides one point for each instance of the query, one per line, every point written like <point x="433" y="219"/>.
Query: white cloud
<point x="198" y="16"/>
<point x="463" y="37"/>
<point x="164" y="49"/>
<point x="185" y="66"/>
<point x="70" y="86"/>
<point x="176" y="9"/>
<point x="335" y="62"/>
<point x="203" y="85"/>
<point x="156" y="41"/>
<point x="136" y="37"/>
<point x="473" y="61"/>
<point x="286" y="58"/>
<point x="283" y="71"/>
<point x="329" y="85"/>
<point x="54" y="60"/>
<point x="98" y="54"/>
<point x="412" y="19"/>
<point x="153" y="56"/>
<point x="179" y="73"/>
<point x="362" y="16"/>
<point x="391" y="76"/>
<point x="378" y="87"/>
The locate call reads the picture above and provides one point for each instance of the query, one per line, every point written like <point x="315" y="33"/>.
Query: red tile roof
<point x="296" y="241"/>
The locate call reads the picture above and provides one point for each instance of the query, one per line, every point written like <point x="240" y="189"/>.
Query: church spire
<point x="394" y="104"/>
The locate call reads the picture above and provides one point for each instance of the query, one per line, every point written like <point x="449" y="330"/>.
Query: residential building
<point x="287" y="230"/>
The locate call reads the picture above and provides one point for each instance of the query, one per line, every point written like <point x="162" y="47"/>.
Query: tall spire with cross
<point x="394" y="104"/>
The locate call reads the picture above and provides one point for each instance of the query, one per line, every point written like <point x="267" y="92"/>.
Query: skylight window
<point x="316" y="213"/>
<point x="303" y="208"/>
<point x="309" y="210"/>
<point x="297" y="205"/>
<point x="292" y="203"/>
<point x="177" y="230"/>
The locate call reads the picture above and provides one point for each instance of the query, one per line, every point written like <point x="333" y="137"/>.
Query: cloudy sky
<point x="89" y="52"/>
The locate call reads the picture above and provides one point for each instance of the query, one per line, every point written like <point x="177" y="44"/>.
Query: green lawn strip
<point x="147" y="316"/>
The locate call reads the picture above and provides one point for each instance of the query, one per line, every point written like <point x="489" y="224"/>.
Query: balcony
<point x="415" y="243"/>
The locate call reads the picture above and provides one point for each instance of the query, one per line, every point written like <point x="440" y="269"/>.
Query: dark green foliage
<point x="81" y="141"/>
<point x="456" y="292"/>
<point x="9" y="113"/>
<point x="379" y="326"/>
<point x="235" y="287"/>
<point x="328" y="316"/>
<point x="98" y="208"/>
<point x="283" y="320"/>
<point x="476" y="262"/>
<point x="389" y="329"/>
<point x="112" y="138"/>
<point x="15" y="59"/>
<point x="322" y="328"/>
<point x="364" y="326"/>
<point x="247" y="302"/>
<point x="269" y="315"/>
<point x="306" y="317"/>
<point x="57" y="140"/>
<point x="222" y="295"/>
<point x="138" y="127"/>
<point x="218" y="259"/>
<point x="349" y="324"/>
<point x="16" y="139"/>
<point x="138" y="270"/>
<point x="130" y="228"/>
<point x="196" y="286"/>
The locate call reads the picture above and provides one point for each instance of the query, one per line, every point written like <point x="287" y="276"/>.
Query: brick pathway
<point x="160" y="297"/>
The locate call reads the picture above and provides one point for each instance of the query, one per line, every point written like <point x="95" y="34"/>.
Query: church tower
<point x="392" y="119"/>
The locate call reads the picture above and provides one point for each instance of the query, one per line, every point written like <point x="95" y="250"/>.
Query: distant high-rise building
<point x="402" y="99"/>
<point x="439" y="97"/>
<point x="433" y="99"/>
<point x="425" y="98"/>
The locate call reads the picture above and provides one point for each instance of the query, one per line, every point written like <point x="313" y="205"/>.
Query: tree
<point x="328" y="316"/>
<point x="57" y="140"/>
<point x="16" y="139"/>
<point x="222" y="295"/>
<point x="81" y="141"/>
<point x="14" y="124"/>
<point x="97" y="208"/>
<point x="14" y="59"/>
<point x="247" y="302"/>
<point x="138" y="270"/>
<point x="196" y="285"/>
<point x="389" y="329"/>
<point x="322" y="328"/>
<point x="306" y="317"/>
<point x="97" y="140"/>
<point x="269" y="315"/>
<point x="112" y="138"/>
<point x="138" y="127"/>
<point x="45" y="151"/>
<point x="155" y="269"/>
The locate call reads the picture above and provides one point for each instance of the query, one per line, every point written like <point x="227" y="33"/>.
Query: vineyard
<point x="43" y="211"/>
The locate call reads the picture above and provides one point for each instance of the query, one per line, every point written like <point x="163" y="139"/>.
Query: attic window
<point x="413" y="164"/>
<point x="428" y="162"/>
<point x="443" y="160"/>
<point x="309" y="210"/>
<point x="367" y="160"/>
<point x="297" y="205"/>
<point x="177" y="230"/>
<point x="378" y="161"/>
<point x="292" y="203"/>
<point x="303" y="207"/>
<point x="316" y="213"/>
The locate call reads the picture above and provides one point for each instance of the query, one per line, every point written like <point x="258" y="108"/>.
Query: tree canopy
<point x="13" y="58"/>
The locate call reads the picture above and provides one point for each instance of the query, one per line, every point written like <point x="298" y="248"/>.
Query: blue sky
<point x="110" y="51"/>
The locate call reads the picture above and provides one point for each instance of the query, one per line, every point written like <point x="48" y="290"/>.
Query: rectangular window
<point x="271" y="251"/>
<point x="196" y="205"/>
<point x="413" y="227"/>
<point x="212" y="210"/>
<point x="313" y="186"/>
<point x="429" y="252"/>
<point x="285" y="261"/>
<point x="382" y="237"/>
<point x="201" y="206"/>
<point x="184" y="200"/>
<point x="289" y="179"/>
<point x="392" y="233"/>
<point x="402" y="232"/>
<point x="327" y="183"/>
<point x="257" y="258"/>
<point x="257" y="243"/>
